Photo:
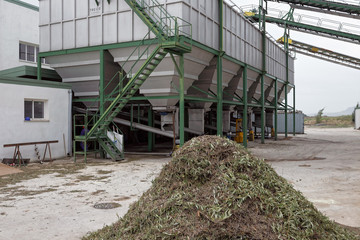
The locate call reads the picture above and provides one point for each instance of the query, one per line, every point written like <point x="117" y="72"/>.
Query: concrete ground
<point x="324" y="164"/>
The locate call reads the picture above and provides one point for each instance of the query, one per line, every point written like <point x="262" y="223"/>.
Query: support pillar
<point x="286" y="110"/>
<point x="276" y="109"/>
<point x="219" y="112"/>
<point x="102" y="83"/>
<point x="182" y="101"/>
<point x="245" y="110"/>
<point x="39" y="68"/>
<point x="150" y="134"/>
<point x="262" y="110"/>
<point x="294" y="112"/>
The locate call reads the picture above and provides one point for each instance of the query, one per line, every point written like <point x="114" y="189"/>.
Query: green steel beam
<point x="150" y="134"/>
<point x="294" y="113"/>
<point x="219" y="105"/>
<point x="276" y="109"/>
<point x="286" y="111"/>
<point x="39" y="68"/>
<point x="200" y="99"/>
<point x="102" y="83"/>
<point x="262" y="23"/>
<point x="311" y="29"/>
<point x="245" y="109"/>
<point x="262" y="111"/>
<point x="182" y="100"/>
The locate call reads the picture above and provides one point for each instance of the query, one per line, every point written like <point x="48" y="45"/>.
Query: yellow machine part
<point x="249" y="14"/>
<point x="272" y="132"/>
<point x="251" y="135"/>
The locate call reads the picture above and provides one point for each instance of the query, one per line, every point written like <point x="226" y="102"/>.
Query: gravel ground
<point x="324" y="164"/>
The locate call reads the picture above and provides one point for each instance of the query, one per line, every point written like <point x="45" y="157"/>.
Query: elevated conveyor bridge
<point x="322" y="53"/>
<point x="345" y="8"/>
<point x="308" y="24"/>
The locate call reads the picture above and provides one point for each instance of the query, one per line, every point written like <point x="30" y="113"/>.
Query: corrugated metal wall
<point x="299" y="123"/>
<point x="66" y="24"/>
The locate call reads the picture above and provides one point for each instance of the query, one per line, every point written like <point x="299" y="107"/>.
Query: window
<point x="34" y="109"/>
<point x="29" y="53"/>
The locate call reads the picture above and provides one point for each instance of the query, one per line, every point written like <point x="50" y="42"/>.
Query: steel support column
<point x="262" y="26"/>
<point x="276" y="109"/>
<point x="219" y="112"/>
<point x="38" y="67"/>
<point x="286" y="110"/>
<point x="294" y="112"/>
<point x="262" y="110"/>
<point x="150" y="134"/>
<point x="245" y="109"/>
<point x="182" y="101"/>
<point x="102" y="83"/>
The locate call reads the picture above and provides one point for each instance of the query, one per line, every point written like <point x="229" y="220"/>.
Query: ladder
<point x="168" y="31"/>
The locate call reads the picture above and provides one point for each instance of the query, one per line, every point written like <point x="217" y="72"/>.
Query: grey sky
<point x="318" y="83"/>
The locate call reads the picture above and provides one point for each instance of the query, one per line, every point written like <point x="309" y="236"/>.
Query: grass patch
<point x="214" y="189"/>
<point x="330" y="122"/>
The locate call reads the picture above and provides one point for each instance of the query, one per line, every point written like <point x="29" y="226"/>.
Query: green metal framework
<point x="323" y="54"/>
<point x="298" y="26"/>
<point x="344" y="8"/>
<point x="170" y="39"/>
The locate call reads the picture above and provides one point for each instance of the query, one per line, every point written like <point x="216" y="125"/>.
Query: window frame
<point x="45" y="113"/>
<point x="26" y="53"/>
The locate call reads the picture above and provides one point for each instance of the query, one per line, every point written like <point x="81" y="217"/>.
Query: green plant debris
<point x="214" y="189"/>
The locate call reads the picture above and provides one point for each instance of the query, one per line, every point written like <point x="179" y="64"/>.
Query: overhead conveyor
<point x="309" y="24"/>
<point x="322" y="53"/>
<point x="343" y="8"/>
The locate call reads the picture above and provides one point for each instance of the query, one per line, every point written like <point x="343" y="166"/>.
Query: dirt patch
<point x="7" y="170"/>
<point x="214" y="189"/>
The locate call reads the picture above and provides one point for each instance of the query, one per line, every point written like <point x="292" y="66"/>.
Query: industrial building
<point x="194" y="67"/>
<point x="30" y="108"/>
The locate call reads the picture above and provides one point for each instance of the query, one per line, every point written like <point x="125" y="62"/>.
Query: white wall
<point x="18" y="23"/>
<point x="14" y="129"/>
<point x="357" y="118"/>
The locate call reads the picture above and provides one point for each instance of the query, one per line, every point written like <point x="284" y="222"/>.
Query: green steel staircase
<point x="169" y="32"/>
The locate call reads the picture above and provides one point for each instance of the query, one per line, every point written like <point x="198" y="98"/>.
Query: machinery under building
<point x="170" y="68"/>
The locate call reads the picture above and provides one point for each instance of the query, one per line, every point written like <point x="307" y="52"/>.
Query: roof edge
<point x="33" y="82"/>
<point x="24" y="4"/>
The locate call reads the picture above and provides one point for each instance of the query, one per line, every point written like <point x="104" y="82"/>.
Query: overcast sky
<point x="318" y="83"/>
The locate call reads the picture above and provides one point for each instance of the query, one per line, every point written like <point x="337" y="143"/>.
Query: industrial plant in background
<point x="171" y="68"/>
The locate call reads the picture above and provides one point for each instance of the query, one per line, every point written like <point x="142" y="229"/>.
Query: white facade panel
<point x="95" y="31"/>
<point x="69" y="35"/>
<point x="69" y="6"/>
<point x="82" y="32"/>
<point x="56" y="36"/>
<point x="125" y="24"/>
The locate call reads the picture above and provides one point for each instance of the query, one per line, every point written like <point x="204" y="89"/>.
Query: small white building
<point x="357" y="118"/>
<point x="19" y="34"/>
<point x="35" y="111"/>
